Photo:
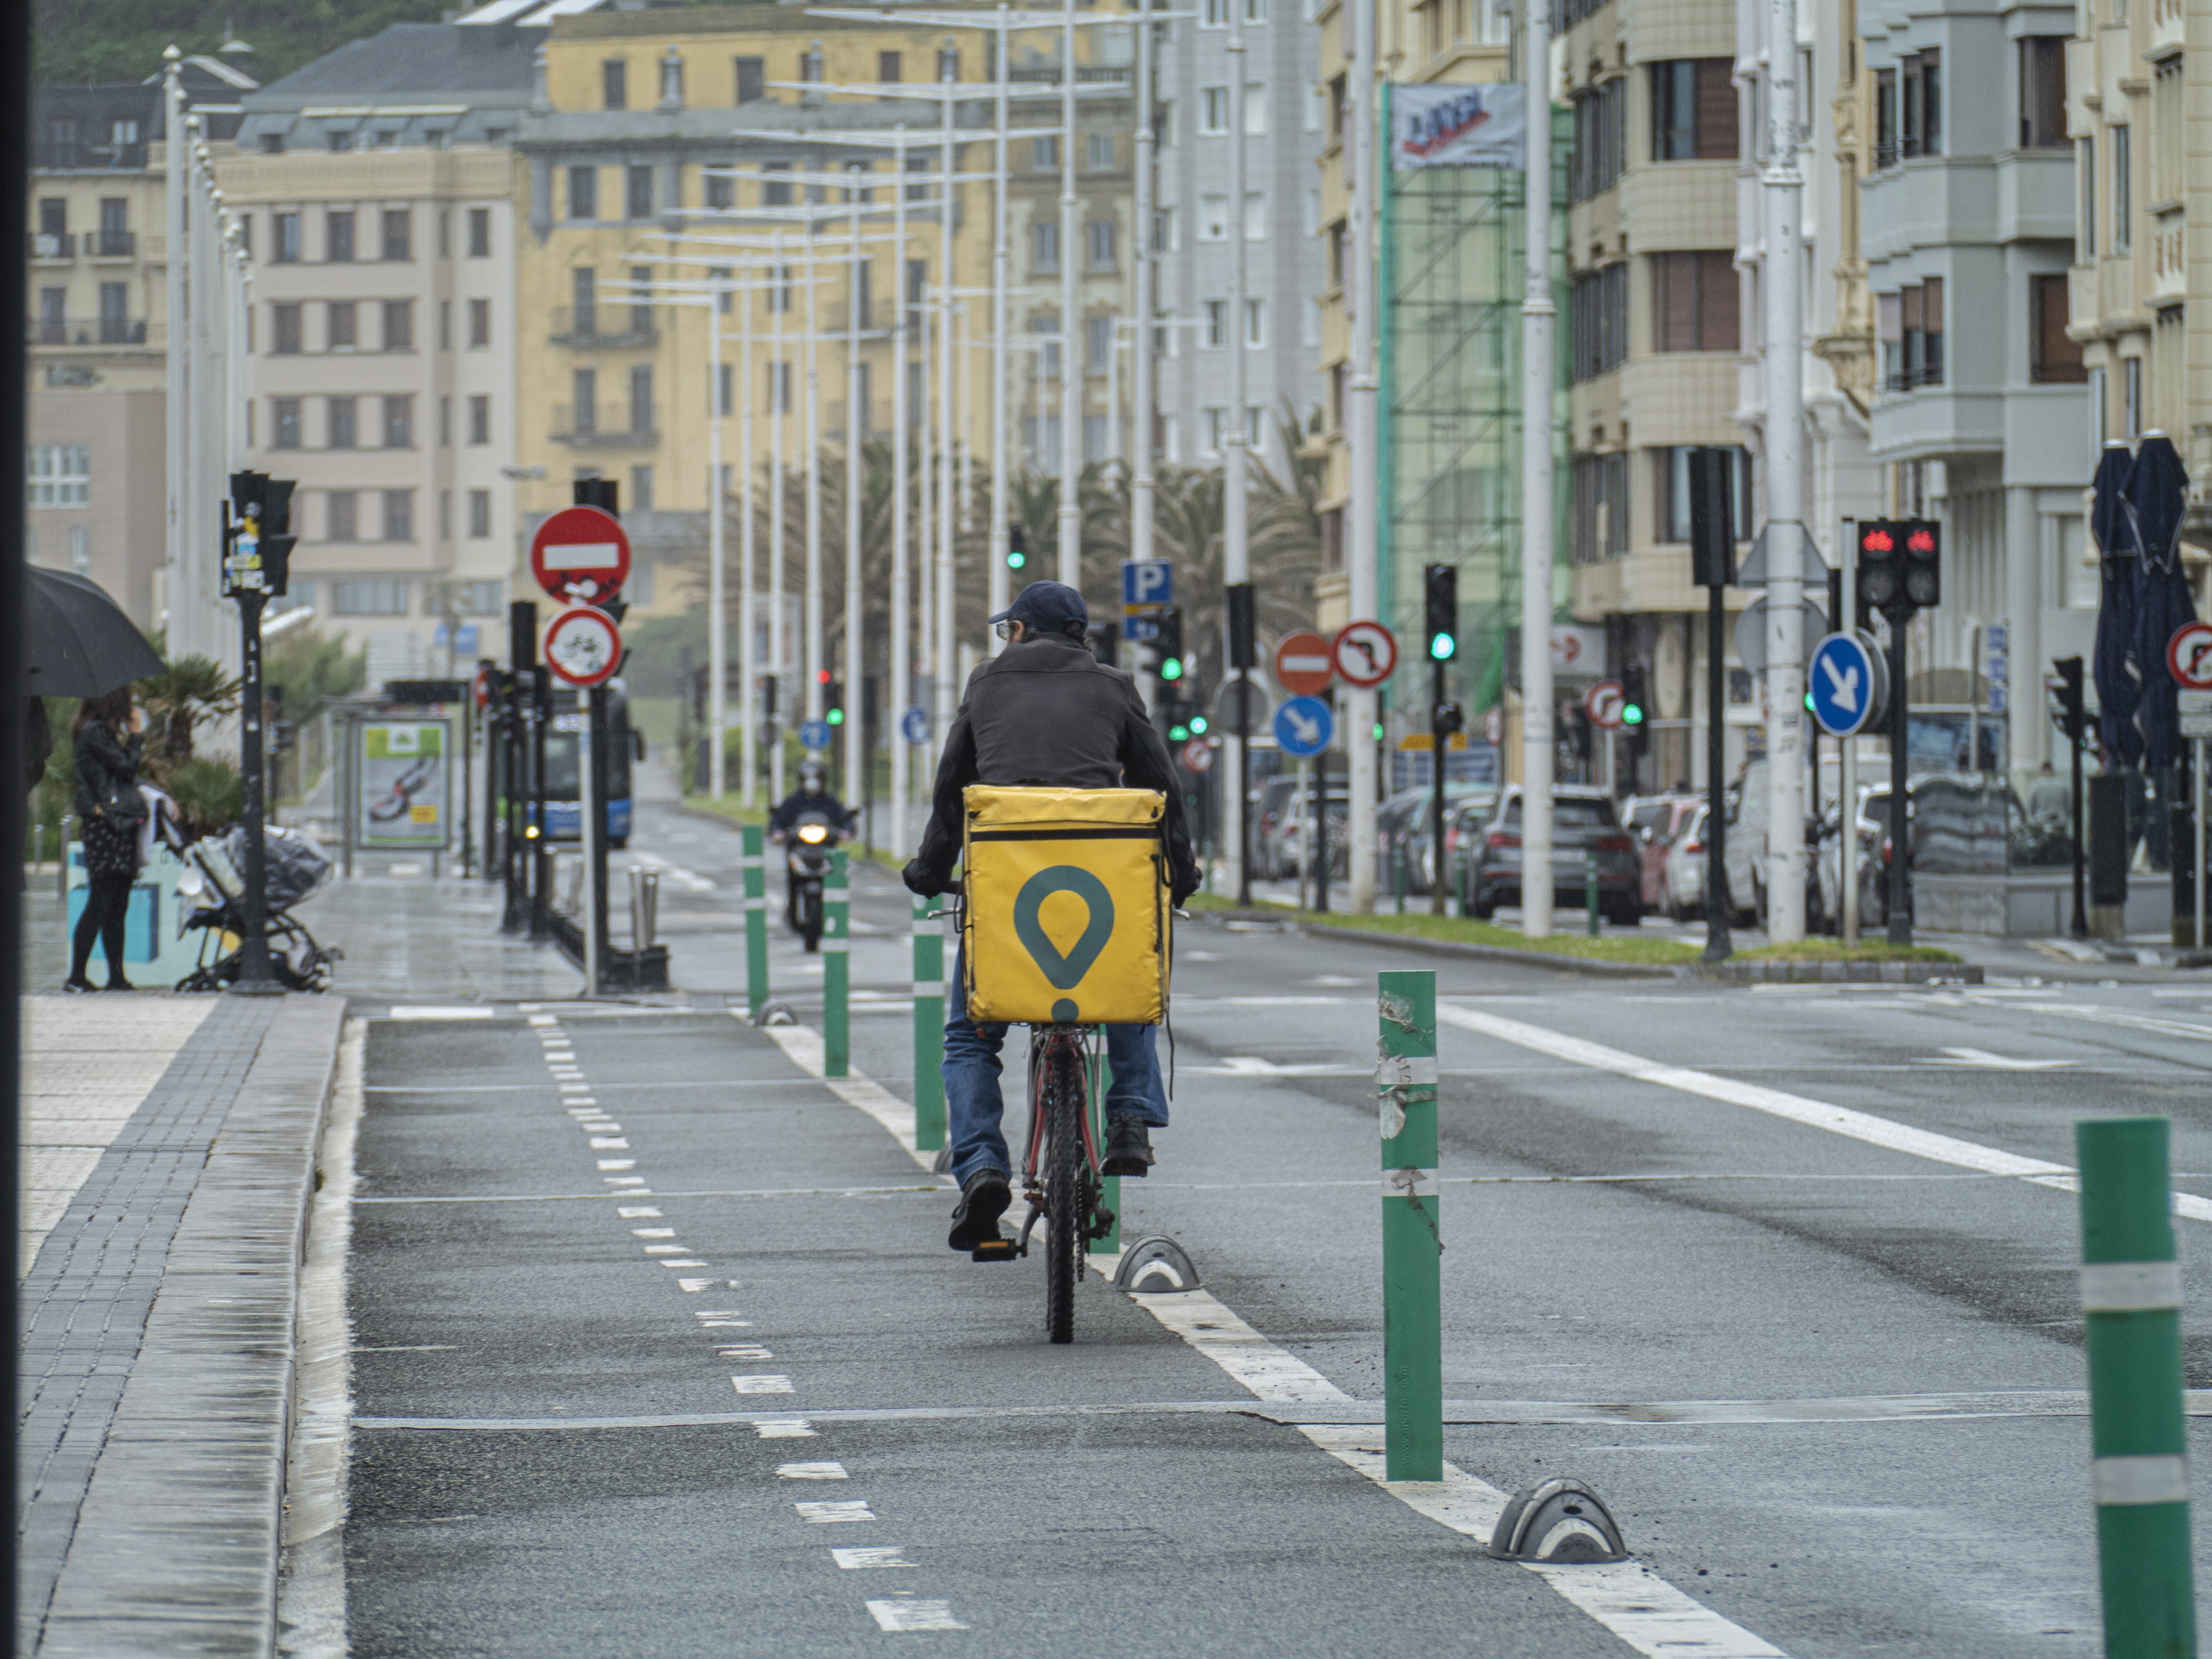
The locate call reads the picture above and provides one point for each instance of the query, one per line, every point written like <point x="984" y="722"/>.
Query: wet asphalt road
<point x="1637" y="1215"/>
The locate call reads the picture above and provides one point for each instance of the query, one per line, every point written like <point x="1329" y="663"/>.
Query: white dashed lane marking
<point x="811" y="1471"/>
<point x="768" y="1384"/>
<point x="914" y="1614"/>
<point x="827" y="1514"/>
<point x="870" y="1555"/>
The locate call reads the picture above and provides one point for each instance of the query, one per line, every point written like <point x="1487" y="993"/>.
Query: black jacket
<point x="103" y="766"/>
<point x="798" y="801"/>
<point x="1045" y="711"/>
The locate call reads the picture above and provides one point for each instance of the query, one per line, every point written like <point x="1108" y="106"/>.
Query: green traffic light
<point x="1171" y="668"/>
<point x="1178" y="733"/>
<point x="1442" y="647"/>
<point x="1632" y="714"/>
<point x="1378" y="730"/>
<point x="1198" y="724"/>
<point x="835" y="717"/>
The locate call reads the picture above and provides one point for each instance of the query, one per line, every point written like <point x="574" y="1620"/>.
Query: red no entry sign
<point x="1301" y="664"/>
<point x="580" y="556"/>
<point x="583" y="647"/>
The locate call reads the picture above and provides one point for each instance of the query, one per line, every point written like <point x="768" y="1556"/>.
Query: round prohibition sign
<point x="583" y="647"/>
<point x="2189" y="656"/>
<point x="580" y="555"/>
<point x="1366" y="654"/>
<point x="1604" y="703"/>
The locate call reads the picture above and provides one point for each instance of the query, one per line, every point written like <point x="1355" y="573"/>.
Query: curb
<point x="1840" y="973"/>
<point x="1557" y="960"/>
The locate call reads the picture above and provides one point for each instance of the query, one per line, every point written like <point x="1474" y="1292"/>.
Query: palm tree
<point x="192" y="690"/>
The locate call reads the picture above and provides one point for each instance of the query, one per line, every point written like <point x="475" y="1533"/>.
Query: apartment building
<point x="2134" y="92"/>
<point x="1285" y="120"/>
<point x="97" y="329"/>
<point x="376" y="186"/>
<point x="1981" y="415"/>
<point x="650" y="131"/>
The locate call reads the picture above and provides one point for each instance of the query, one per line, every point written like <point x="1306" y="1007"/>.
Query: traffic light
<point x="260" y="556"/>
<point x="1442" y="582"/>
<point x="1923" y="570"/>
<point x="1017" y="547"/>
<point x="2066" y="685"/>
<point x="1105" y="642"/>
<point x="1634" y="715"/>
<point x="1199" y="725"/>
<point x="1167" y="644"/>
<point x="1448" y="718"/>
<point x="1901" y="566"/>
<point x="1712" y="517"/>
<point x="833" y="699"/>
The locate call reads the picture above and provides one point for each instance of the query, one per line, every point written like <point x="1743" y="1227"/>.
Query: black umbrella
<point x="80" y="643"/>
<point x="2118" y="689"/>
<point x="2156" y="491"/>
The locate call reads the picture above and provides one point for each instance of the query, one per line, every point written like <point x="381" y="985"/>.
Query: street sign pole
<point x="1845" y="621"/>
<point x="592" y="822"/>
<point x="1898" y="899"/>
<point x="1712" y="562"/>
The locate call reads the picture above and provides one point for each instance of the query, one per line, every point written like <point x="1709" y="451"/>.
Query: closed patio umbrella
<point x="2118" y="689"/>
<point x="2156" y="491"/>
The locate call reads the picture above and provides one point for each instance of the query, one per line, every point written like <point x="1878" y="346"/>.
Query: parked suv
<point x="1583" y="825"/>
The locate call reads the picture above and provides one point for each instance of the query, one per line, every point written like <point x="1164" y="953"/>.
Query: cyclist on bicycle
<point x="1044" y="711"/>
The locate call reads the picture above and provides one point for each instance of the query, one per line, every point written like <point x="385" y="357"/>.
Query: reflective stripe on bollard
<point x="1413" y="1237"/>
<point x="836" y="972"/>
<point x="2131" y="1307"/>
<point x="928" y="1027"/>
<point x="756" y="869"/>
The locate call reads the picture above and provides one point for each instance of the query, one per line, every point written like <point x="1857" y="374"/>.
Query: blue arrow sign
<point x="1147" y="581"/>
<point x="815" y="734"/>
<point x="914" y="723"/>
<point x="1303" y="726"/>
<point x="1842" y="685"/>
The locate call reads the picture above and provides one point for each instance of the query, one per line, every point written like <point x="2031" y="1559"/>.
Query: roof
<point x="425" y="61"/>
<point x="107" y="124"/>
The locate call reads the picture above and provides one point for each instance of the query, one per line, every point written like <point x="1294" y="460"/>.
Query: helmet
<point x="811" y="778"/>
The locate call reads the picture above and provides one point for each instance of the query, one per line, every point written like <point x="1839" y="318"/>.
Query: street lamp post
<point x="1235" y="482"/>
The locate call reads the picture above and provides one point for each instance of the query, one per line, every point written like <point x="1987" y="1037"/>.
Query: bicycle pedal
<point x="995" y="1249"/>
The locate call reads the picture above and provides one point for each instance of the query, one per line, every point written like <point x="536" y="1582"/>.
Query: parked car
<point x="1747" y="850"/>
<point x="1656" y="821"/>
<point x="1403" y="829"/>
<point x="1872" y="833"/>
<point x="1285" y="854"/>
<point x="1275" y="798"/>
<point x="1683" y="877"/>
<point x="1583" y="825"/>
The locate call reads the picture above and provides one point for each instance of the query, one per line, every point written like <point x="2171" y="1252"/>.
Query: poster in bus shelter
<point x="403" y="784"/>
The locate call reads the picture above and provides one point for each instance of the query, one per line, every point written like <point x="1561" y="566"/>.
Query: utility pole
<point x="1537" y="316"/>
<point x="1364" y="505"/>
<point x="901" y="686"/>
<point x="855" y="633"/>
<point x="1235" y="499"/>
<point x="995" y="577"/>
<point x="1071" y="365"/>
<point x="718" y="644"/>
<point x="1783" y="186"/>
<point x="1146" y="273"/>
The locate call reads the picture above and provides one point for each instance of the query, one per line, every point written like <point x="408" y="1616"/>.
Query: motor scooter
<point x="806" y="866"/>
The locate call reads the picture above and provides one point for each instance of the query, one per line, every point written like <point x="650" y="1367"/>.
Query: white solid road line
<point x="1985" y="1058"/>
<point x="1836" y="1119"/>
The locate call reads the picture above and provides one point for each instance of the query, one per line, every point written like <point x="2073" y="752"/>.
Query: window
<point x="341" y="418"/>
<point x="1097" y="343"/>
<point x="1255" y="323"/>
<point x="1217" y="429"/>
<point x="1693" y="110"/>
<point x="368" y="599"/>
<point x="1920" y="104"/>
<point x="480" y="418"/>
<point x="1670" y="492"/>
<point x="779" y="388"/>
<point x="480" y="526"/>
<point x="1885" y="117"/>
<point x="774" y="191"/>
<point x="2085" y="169"/>
<point x="338" y="238"/>
<point x="889" y="67"/>
<point x="752" y="79"/>
<point x="613" y="84"/>
<point x="479" y="233"/>
<point x="399" y="423"/>
<point x="398" y="515"/>
<point x="284" y="328"/>
<point x="343" y="324"/>
<point x="479" y="322"/>
<point x="284" y="422"/>
<point x="948" y="63"/>
<point x="1598" y="321"/>
<point x="640" y="399"/>
<point x="60" y="475"/>
<point x="2043" y="92"/>
<point x="641" y="309"/>
<point x="1213" y="218"/>
<point x="2131" y="398"/>
<point x="1910" y="325"/>
<point x="2122" y="190"/>
<point x="584" y="300"/>
<point x="445" y="325"/>
<point x="2169" y="143"/>
<point x="1166" y="238"/>
<point x="1255" y="110"/>
<point x="721" y="190"/>
<point x="638" y="191"/>
<point x="445" y="424"/>
<point x="1598" y="486"/>
<point x="583" y="193"/>
<point x="587" y="391"/>
<point x="1256" y="216"/>
<point x="287" y="239"/>
<point x="725" y="391"/>
<point x="810" y="66"/>
<point x="2052" y="358"/>
<point x="1101" y="152"/>
<point x="398" y="234"/>
<point x="1694" y="302"/>
<point x="1601" y="148"/>
<point x="1099" y="237"/>
<point x="1044" y="245"/>
<point x="1215" y="14"/>
<point x="399" y="325"/>
<point x="1044" y="153"/>
<point x="641" y="501"/>
<point x="336" y="140"/>
<point x="1213" y="110"/>
<point x="1213" y="322"/>
<point x="342" y="523"/>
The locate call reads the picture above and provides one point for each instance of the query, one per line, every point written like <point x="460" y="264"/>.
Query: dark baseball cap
<point x="1049" y="606"/>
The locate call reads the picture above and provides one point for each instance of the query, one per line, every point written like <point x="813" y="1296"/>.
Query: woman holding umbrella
<point x="111" y="809"/>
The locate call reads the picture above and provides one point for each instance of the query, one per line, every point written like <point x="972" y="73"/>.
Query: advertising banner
<point x="1459" y="126"/>
<point x="404" y="788"/>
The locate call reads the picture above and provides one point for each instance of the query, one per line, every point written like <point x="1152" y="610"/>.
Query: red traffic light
<point x="822" y="676"/>
<point x="1878" y="541"/>
<point x="1920" y="541"/>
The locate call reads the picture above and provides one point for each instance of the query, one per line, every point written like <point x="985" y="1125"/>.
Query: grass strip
<point x="1464" y="929"/>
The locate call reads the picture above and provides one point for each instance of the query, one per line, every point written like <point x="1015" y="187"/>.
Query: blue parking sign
<point x="1147" y="581"/>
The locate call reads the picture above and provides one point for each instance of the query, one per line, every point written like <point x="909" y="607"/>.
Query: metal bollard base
<point x="1559" y="1520"/>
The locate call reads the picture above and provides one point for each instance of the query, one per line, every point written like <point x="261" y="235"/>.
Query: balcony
<point x="85" y="332"/>
<point x="110" y="244"/>
<point x="589" y="326"/>
<point x="580" y="428"/>
<point x="49" y="249"/>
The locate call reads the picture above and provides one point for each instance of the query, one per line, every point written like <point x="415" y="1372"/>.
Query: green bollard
<point x="2131" y="1305"/>
<point x="1398" y="874"/>
<point x="1412" y="1240"/>
<point x="1589" y="891"/>
<point x="756" y="869"/>
<point x="928" y="1027"/>
<point x="836" y="972"/>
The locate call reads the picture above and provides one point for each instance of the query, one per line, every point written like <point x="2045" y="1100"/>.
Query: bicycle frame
<point x="1044" y="1042"/>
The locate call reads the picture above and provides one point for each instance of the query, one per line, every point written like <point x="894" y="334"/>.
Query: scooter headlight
<point x="812" y="834"/>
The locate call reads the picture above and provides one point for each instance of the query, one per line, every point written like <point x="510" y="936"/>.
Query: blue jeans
<point x="972" y="1101"/>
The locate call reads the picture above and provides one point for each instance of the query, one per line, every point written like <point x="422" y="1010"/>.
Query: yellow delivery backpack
<point x="1066" y="918"/>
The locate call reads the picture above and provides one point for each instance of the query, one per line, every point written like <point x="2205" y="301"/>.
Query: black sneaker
<point x="1128" y="1149"/>
<point x="983" y="1202"/>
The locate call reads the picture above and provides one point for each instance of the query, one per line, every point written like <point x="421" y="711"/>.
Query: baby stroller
<point x="295" y="872"/>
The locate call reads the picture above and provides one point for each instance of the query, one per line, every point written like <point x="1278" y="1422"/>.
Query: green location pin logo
<point x="1063" y="973"/>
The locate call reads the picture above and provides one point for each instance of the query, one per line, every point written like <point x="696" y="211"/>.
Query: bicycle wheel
<point x="1066" y="1172"/>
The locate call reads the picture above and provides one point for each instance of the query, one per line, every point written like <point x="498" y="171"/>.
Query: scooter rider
<point x="1043" y="712"/>
<point x="812" y="795"/>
